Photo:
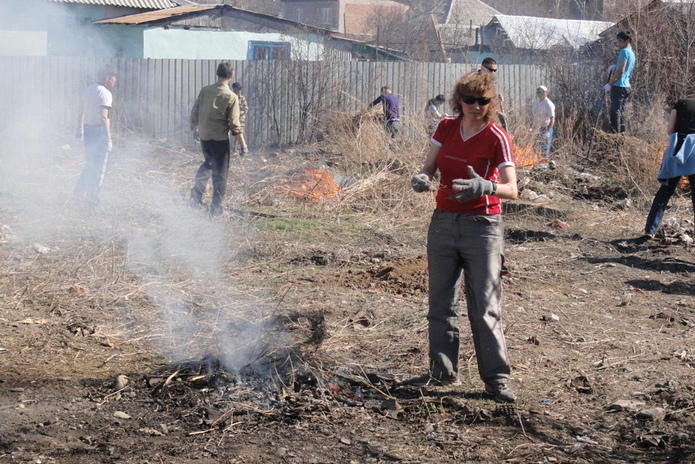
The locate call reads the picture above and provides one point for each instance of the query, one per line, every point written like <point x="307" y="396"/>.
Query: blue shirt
<point x="626" y="54"/>
<point x="391" y="106"/>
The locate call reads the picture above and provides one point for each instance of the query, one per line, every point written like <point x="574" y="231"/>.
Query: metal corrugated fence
<point x="289" y="101"/>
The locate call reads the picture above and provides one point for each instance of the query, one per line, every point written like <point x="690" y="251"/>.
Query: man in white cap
<point x="543" y="112"/>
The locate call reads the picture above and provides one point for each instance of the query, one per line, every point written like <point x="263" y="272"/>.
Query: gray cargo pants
<point x="468" y="245"/>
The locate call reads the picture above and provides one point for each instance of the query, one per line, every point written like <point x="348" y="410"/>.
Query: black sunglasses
<point x="482" y="101"/>
<point x="490" y="69"/>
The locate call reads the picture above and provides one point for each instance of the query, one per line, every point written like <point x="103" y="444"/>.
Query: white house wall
<point x="160" y="43"/>
<point x="23" y="43"/>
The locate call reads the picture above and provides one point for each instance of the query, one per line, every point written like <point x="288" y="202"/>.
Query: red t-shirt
<point x="486" y="151"/>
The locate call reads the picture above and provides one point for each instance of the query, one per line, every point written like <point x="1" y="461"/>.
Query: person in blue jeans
<point x="543" y="112"/>
<point x="95" y="131"/>
<point x="678" y="161"/>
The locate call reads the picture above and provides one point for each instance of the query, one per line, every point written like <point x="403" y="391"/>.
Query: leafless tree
<point x="664" y="42"/>
<point x="569" y="9"/>
<point x="413" y="35"/>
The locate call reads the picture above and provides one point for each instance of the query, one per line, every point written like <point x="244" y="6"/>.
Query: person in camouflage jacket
<point x="243" y="105"/>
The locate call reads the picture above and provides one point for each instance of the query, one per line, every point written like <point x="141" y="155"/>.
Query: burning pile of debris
<point x="312" y="185"/>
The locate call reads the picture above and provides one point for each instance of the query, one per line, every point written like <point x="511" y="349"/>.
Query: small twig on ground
<point x="370" y="384"/>
<point x="169" y="379"/>
<point x="532" y="445"/>
<point x="600" y="365"/>
<point x="427" y="407"/>
<point x="112" y="394"/>
<point x="521" y="423"/>
<point x="110" y="358"/>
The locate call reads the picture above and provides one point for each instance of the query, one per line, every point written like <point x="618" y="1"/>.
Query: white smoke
<point x="178" y="254"/>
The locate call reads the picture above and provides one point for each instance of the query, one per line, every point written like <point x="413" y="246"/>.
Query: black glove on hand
<point x="471" y="188"/>
<point x="421" y="183"/>
<point x="196" y="135"/>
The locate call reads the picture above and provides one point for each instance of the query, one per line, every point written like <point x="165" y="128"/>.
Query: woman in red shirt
<point x="474" y="158"/>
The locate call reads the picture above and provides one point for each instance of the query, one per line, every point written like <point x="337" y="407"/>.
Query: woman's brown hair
<point x="475" y="84"/>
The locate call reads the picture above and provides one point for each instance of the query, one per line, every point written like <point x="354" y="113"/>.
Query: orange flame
<point x="526" y="157"/>
<point x="313" y="185"/>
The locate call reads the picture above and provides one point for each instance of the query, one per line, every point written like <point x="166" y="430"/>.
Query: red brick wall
<point x="358" y="16"/>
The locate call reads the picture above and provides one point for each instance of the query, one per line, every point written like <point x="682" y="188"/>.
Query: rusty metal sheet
<point x="142" y="18"/>
<point x="153" y="4"/>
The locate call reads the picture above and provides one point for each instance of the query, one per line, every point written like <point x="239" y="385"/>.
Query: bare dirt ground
<point x="280" y="332"/>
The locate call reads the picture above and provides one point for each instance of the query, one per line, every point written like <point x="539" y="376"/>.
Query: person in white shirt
<point x="434" y="112"/>
<point x="95" y="130"/>
<point x="543" y="112"/>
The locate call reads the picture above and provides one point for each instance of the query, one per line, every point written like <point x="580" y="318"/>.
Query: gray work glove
<point x="420" y="182"/>
<point x="79" y="135"/>
<point x="109" y="145"/>
<point x="244" y="151"/>
<point x="196" y="135"/>
<point x="471" y="188"/>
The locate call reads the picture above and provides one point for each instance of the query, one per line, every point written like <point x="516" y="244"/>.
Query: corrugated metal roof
<point x="465" y="11"/>
<point x="533" y="33"/>
<point x="149" y="4"/>
<point x="186" y="12"/>
<point x="462" y="18"/>
<point x="142" y="18"/>
<point x="457" y="35"/>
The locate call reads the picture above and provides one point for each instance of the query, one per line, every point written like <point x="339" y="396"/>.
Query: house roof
<point x="465" y="11"/>
<point x="149" y="4"/>
<point x="533" y="33"/>
<point x="459" y="19"/>
<point x="158" y="15"/>
<point x="156" y="18"/>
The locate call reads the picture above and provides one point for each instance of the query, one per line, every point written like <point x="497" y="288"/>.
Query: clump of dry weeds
<point x="361" y="149"/>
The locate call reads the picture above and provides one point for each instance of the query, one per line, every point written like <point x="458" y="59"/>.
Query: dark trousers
<point x="216" y="163"/>
<point x="96" y="161"/>
<point x="663" y="195"/>
<point x="619" y="96"/>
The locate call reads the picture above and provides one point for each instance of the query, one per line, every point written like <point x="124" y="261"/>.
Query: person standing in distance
<point x="543" y="113"/>
<point x="620" y="82"/>
<point x="243" y="111"/>
<point x="95" y="131"/>
<point x="214" y="115"/>
<point x="489" y="66"/>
